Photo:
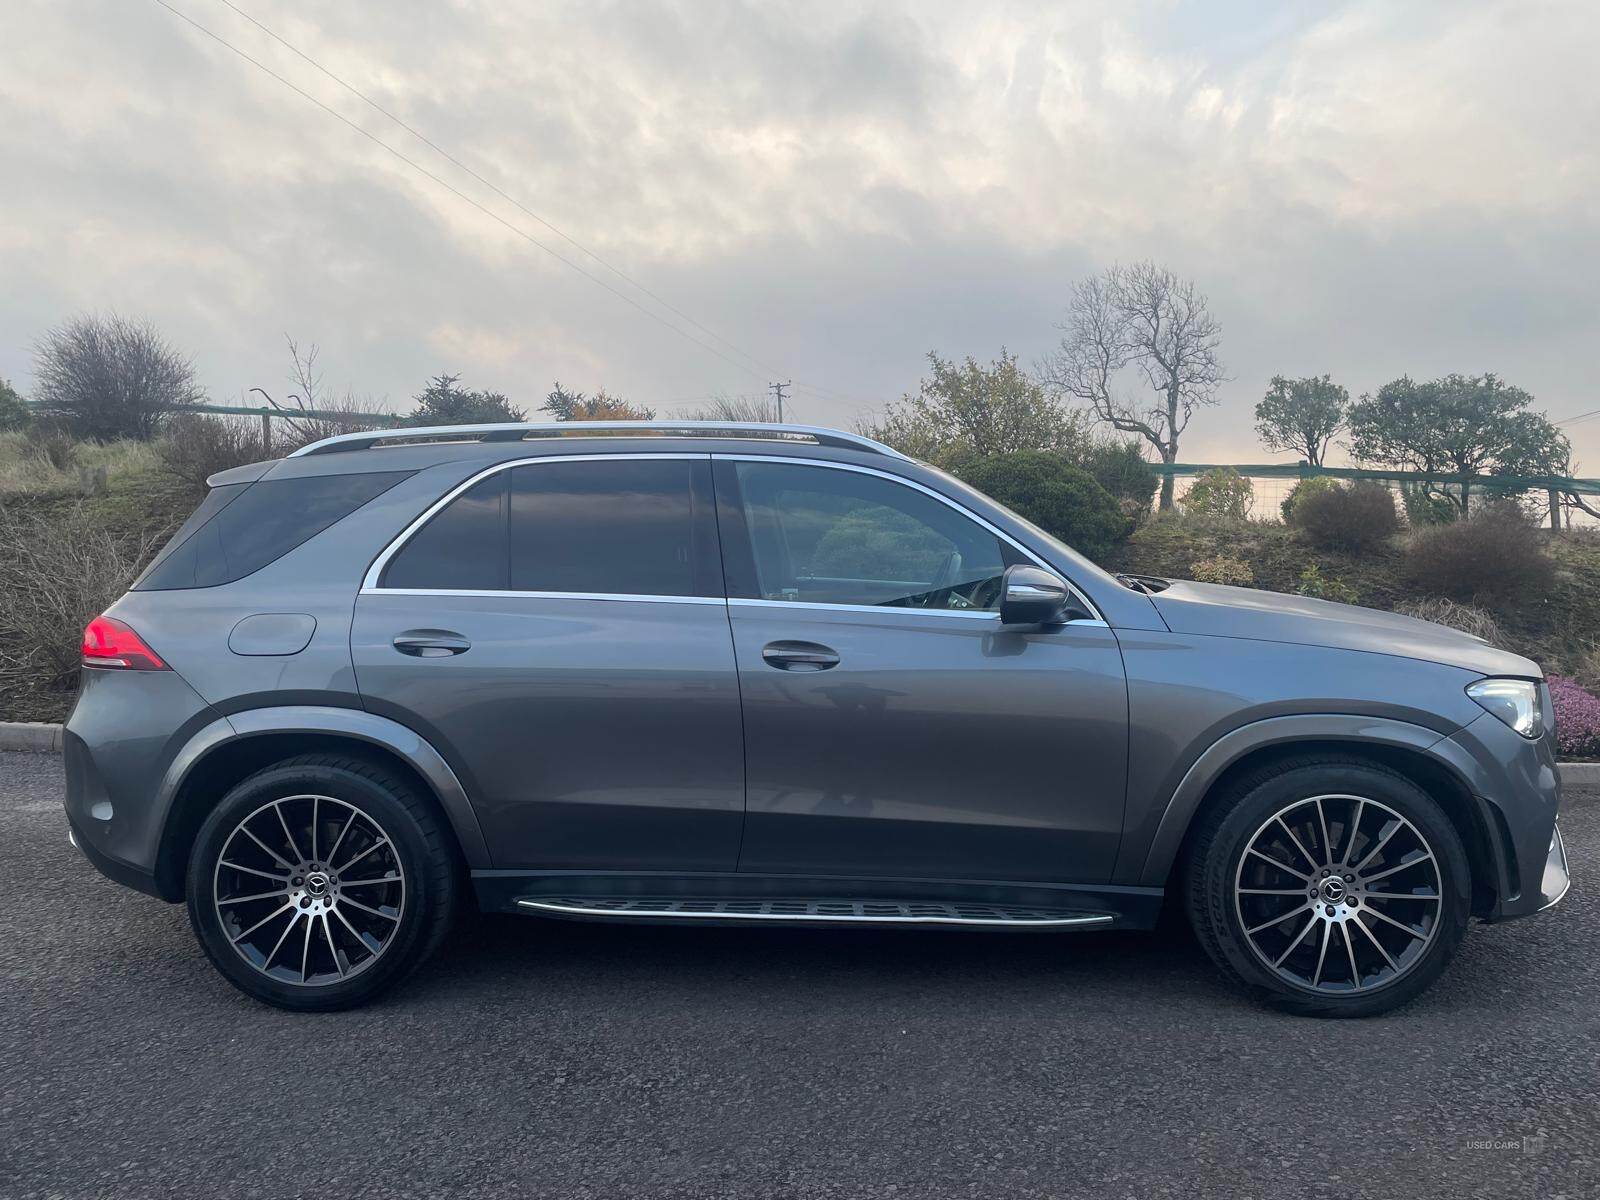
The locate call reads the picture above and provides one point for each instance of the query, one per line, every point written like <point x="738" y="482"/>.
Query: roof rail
<point x="523" y="430"/>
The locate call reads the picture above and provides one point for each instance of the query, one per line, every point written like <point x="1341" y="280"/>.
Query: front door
<point x="557" y="630"/>
<point x="892" y="727"/>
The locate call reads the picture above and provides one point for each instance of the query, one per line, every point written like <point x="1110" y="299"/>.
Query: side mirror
<point x="1032" y="596"/>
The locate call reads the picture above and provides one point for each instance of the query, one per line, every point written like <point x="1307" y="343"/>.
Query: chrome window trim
<point x="1097" y="619"/>
<point x="369" y="581"/>
<point x="488" y="594"/>
<point x="986" y="614"/>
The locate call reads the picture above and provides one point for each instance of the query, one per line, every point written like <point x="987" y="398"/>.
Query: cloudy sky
<point x="832" y="190"/>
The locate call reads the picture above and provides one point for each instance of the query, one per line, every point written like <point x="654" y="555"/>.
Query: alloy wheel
<point x="309" y="890"/>
<point x="1338" y="894"/>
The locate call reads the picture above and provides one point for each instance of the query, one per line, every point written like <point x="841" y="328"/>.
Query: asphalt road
<point x="541" y="1058"/>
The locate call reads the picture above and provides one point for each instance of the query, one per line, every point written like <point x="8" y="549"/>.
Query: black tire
<point x="407" y="844"/>
<point x="1410" y="962"/>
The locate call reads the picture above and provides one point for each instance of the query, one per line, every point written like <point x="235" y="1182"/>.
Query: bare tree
<point x="310" y="413"/>
<point x="108" y="377"/>
<point x="1144" y="320"/>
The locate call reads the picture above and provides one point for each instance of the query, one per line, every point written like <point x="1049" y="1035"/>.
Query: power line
<point x="777" y="390"/>
<point x="1594" y="412"/>
<point x="445" y="154"/>
<point x="457" y="192"/>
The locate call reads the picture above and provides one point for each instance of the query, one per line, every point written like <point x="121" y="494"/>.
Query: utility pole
<point x="777" y="390"/>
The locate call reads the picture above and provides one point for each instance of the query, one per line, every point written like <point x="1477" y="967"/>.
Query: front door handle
<point x="799" y="656"/>
<point x="431" y="643"/>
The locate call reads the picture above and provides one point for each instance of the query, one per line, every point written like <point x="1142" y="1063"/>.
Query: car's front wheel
<point x="319" y="882"/>
<point x="1329" y="887"/>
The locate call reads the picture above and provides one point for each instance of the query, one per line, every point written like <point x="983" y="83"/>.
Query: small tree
<point x="1458" y="425"/>
<point x="443" y="403"/>
<point x="109" y="377"/>
<point x="1301" y="416"/>
<point x="575" y="406"/>
<point x="1221" y="494"/>
<point x="1145" y="320"/>
<point x="14" y="413"/>
<point x="966" y="409"/>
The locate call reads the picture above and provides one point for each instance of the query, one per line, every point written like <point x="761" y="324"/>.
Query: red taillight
<point x="110" y="643"/>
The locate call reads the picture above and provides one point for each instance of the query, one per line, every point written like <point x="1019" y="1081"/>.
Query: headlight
<point x="1514" y="701"/>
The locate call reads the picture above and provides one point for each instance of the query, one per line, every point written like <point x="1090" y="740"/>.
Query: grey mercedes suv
<point x="728" y="674"/>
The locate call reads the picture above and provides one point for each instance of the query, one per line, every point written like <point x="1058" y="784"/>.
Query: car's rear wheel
<point x="1330" y="887"/>
<point x="319" y="882"/>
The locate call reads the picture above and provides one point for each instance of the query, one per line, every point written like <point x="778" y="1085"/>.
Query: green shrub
<point x="1220" y="494"/>
<point x="1355" y="516"/>
<point x="14" y="411"/>
<point x="1300" y="491"/>
<point x="1060" y="498"/>
<point x="1222" y="568"/>
<point x="1315" y="584"/>
<point x="1496" y="554"/>
<point x="1120" y="468"/>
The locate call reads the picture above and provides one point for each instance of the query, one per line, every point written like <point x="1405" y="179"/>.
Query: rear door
<point x="557" y="629"/>
<point x="893" y="727"/>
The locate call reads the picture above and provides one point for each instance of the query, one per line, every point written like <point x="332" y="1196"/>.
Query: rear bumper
<point x="122" y="735"/>
<point x="113" y="869"/>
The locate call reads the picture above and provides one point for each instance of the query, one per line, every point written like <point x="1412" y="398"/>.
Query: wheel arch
<point x="227" y="751"/>
<point x="1426" y="757"/>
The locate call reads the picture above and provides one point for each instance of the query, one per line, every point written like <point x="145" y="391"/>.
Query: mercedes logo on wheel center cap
<point x="1333" y="890"/>
<point x="316" y="883"/>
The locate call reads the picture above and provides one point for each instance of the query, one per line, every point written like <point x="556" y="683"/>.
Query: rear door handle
<point x="431" y="643"/>
<point x="799" y="656"/>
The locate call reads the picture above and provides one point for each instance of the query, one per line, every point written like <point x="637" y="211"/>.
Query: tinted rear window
<point x="623" y="526"/>
<point x="462" y="547"/>
<point x="639" y="527"/>
<point x="260" y="525"/>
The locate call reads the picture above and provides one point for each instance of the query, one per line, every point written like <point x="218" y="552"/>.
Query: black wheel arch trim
<point x="355" y="724"/>
<point x="1153" y="865"/>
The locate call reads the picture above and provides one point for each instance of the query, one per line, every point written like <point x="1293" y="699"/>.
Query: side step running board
<point x="806" y="912"/>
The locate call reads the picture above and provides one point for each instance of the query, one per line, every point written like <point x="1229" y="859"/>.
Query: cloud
<point x="835" y="189"/>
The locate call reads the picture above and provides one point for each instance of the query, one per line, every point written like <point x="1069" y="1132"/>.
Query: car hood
<point x="1219" y="611"/>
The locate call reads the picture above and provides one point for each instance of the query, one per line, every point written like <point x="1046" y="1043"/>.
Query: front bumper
<point x="1516" y="789"/>
<point x="1555" y="881"/>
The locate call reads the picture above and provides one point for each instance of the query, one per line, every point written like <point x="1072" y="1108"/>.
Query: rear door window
<point x="463" y="547"/>
<point x="612" y="527"/>
<point x="616" y="526"/>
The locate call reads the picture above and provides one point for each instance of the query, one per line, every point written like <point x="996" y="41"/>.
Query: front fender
<point x="410" y="746"/>
<point x="1151" y="863"/>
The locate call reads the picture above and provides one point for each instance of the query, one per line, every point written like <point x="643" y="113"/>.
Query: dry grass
<point x="31" y="466"/>
<point x="1443" y="611"/>
<point x="59" y="570"/>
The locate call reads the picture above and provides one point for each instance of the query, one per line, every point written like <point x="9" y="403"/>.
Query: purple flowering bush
<point x="1577" y="714"/>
